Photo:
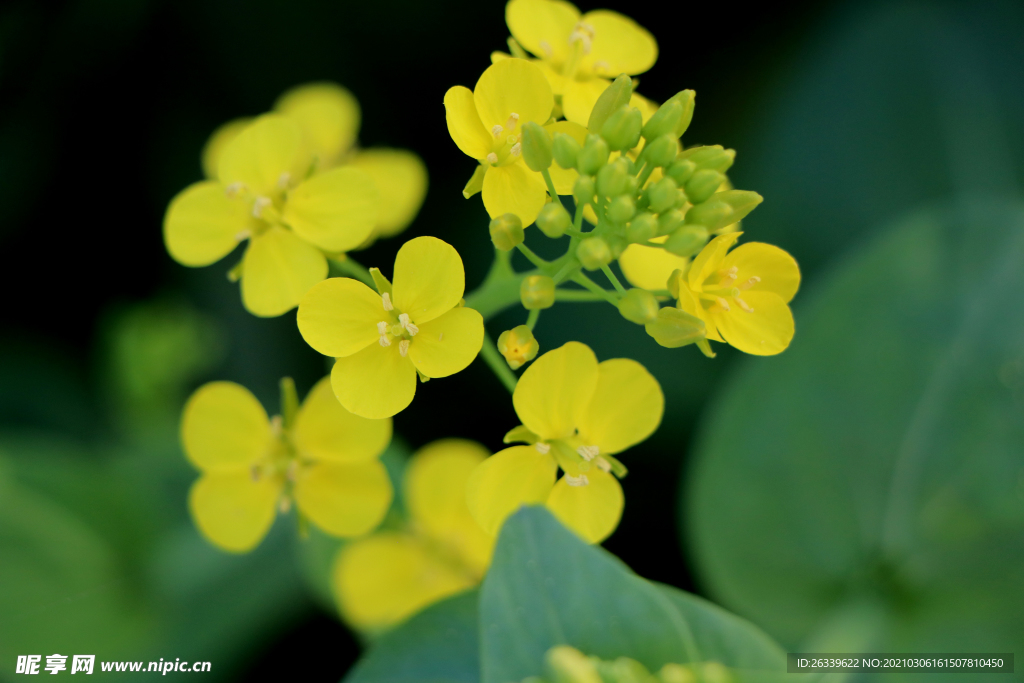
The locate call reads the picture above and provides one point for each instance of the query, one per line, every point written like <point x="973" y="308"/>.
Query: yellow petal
<point x="401" y="180"/>
<point x="553" y="392"/>
<point x="620" y="45"/>
<point x="278" y="269"/>
<point x="385" y="578"/>
<point x="764" y="332"/>
<point x="223" y="426"/>
<point x="336" y="210"/>
<point x="339" y="316"/>
<point x="328" y="115"/>
<point x="556" y="80"/>
<point x="324" y="430"/>
<point x="778" y="270"/>
<point x="513" y="86"/>
<point x="231" y="510"/>
<point x="542" y="26"/>
<point x="448" y="344"/>
<point x="344" y="499"/>
<point x="429" y="278"/>
<point x="592" y="511"/>
<point x="626" y="407"/>
<point x="649" y="267"/>
<point x="710" y="259"/>
<point x="689" y="303"/>
<point x="507" y="480"/>
<point x="262" y="153"/>
<point x="376" y="382"/>
<point x="464" y="123"/>
<point x="565" y="178"/>
<point x="213" y="148"/>
<point x="580" y="96"/>
<point x="203" y="225"/>
<point x="514" y="189"/>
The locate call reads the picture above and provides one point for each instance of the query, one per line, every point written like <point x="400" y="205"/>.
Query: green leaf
<point x="866" y="488"/>
<point x="438" y="645"/>
<point x="547" y="587"/>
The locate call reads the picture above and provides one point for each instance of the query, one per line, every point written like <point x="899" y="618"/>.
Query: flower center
<point x="400" y="327"/>
<point x="507" y="142"/>
<point x="266" y="209"/>
<point x="723" y="289"/>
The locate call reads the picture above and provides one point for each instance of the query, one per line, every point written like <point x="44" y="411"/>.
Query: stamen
<point x="285" y="504"/>
<point x="496" y="131"/>
<point x="576" y="481"/>
<point x="750" y="283"/>
<point x="234" y="189"/>
<point x="542" y="447"/>
<point x="284" y="179"/>
<point x="384" y="341"/>
<point x="743" y="304"/>
<point x="404" y="321"/>
<point x="513" y="121"/>
<point x="492" y="158"/>
<point x="516" y="149"/>
<point x="546" y="47"/>
<point x="260" y="204"/>
<point x="602" y="65"/>
<point x="403" y="347"/>
<point x="244" y="235"/>
<point x="386" y="298"/>
<point x="277" y="425"/>
<point x="603" y="465"/>
<point x="588" y="453"/>
<point x="382" y="330"/>
<point x="722" y="302"/>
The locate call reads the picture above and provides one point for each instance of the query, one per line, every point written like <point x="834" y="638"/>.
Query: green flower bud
<point x="536" y="147"/>
<point x="724" y="208"/>
<point x="663" y="121"/>
<point x="584" y="190"/>
<point x="622" y="129"/>
<point x="661" y="151"/>
<point x="620" y="209"/>
<point x="593" y="253"/>
<point x="565" y="664"/>
<point x="565" y="148"/>
<point x="715" y="672"/>
<point x="613" y="179"/>
<point x="506" y="232"/>
<point x="702" y="185"/>
<point x="614" y="96"/>
<point x="518" y="346"/>
<point x="537" y="291"/>
<point x="673" y="328"/>
<point x="687" y="99"/>
<point x="669" y="221"/>
<point x="593" y="156"/>
<point x="711" y="157"/>
<point x="638" y="306"/>
<point x="553" y="220"/>
<point x="687" y="240"/>
<point x="676" y="673"/>
<point x="675" y="282"/>
<point x="662" y="195"/>
<point x="643" y="227"/>
<point x="680" y="170"/>
<point x="632" y="183"/>
<point x="616" y="244"/>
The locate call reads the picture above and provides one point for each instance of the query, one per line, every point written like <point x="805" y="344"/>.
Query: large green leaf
<point x="547" y="587"/>
<point x="866" y="488"/>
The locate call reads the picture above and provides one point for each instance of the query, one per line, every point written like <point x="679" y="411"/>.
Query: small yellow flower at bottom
<point x="382" y="340"/>
<point x="252" y="466"/>
<point x="578" y="413"/>
<point x="388" y="576"/>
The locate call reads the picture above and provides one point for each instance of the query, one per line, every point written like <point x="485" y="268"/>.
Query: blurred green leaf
<point x="547" y="587"/>
<point x="866" y="488"/>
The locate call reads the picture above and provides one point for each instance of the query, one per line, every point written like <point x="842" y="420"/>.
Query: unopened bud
<point x="614" y="96"/>
<point x="584" y="190"/>
<point x="673" y="328"/>
<point x="536" y="147"/>
<point x="687" y="99"/>
<point x="564" y="148"/>
<point x="620" y="209"/>
<point x="553" y="220"/>
<point x="518" y="346"/>
<point x="506" y="232"/>
<point x="616" y="244"/>
<point x="565" y="664"/>
<point x="593" y="156"/>
<point x="669" y="220"/>
<point x="710" y="157"/>
<point x="724" y="208"/>
<point x="594" y="253"/>
<point x="676" y="673"/>
<point x="702" y="185"/>
<point x="663" y="121"/>
<point x="680" y="170"/>
<point x="662" y="195"/>
<point x="643" y="227"/>
<point x="537" y="292"/>
<point x="661" y="151"/>
<point x="675" y="281"/>
<point x="627" y="670"/>
<point x="638" y="306"/>
<point x="613" y="178"/>
<point x="687" y="240"/>
<point x="622" y="129"/>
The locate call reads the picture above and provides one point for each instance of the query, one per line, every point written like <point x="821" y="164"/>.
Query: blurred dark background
<point x="843" y="115"/>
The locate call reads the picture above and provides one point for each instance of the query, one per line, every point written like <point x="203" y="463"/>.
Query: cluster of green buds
<point x="565" y="664"/>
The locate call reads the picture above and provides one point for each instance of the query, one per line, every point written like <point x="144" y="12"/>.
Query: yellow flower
<point x="743" y="295"/>
<point x="325" y="460"/>
<point x="263" y="194"/>
<point x="578" y="413"/>
<point x="487" y="124"/>
<point x="387" y="577"/>
<point x="381" y="340"/>
<point x="650" y="267"/>
<point x="579" y="54"/>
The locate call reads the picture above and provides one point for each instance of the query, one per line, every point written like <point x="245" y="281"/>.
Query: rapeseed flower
<point x="321" y="456"/>
<point x="386" y="577"/>
<point x="742" y="295"/>
<point x="576" y="414"/>
<point x="381" y="340"/>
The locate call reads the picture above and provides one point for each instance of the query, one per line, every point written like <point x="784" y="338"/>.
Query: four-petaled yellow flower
<point x="742" y="295"/>
<point x="263" y="194"/>
<point x="579" y="54"/>
<point x="387" y="577"/>
<point x="326" y="461"/>
<point x="578" y="413"/>
<point x="381" y="340"/>
<point x="487" y="124"/>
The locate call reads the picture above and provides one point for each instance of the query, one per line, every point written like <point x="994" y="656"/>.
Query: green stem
<point x="570" y="265"/>
<point x="577" y="221"/>
<point x="573" y="232"/>
<point x="489" y="352"/>
<point x="551" y="185"/>
<point x="349" y="266"/>
<point x="534" y="259"/>
<point x="614" y="280"/>
<point x="531" y="320"/>
<point x="581" y="279"/>
<point x="577" y="295"/>
<point x="499" y="290"/>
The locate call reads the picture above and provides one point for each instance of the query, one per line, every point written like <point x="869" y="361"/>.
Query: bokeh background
<point x="847" y="117"/>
